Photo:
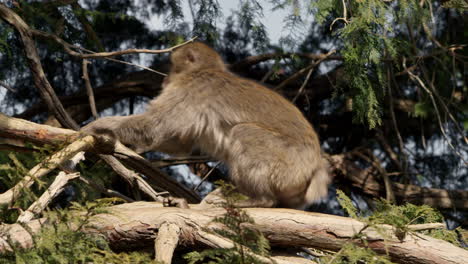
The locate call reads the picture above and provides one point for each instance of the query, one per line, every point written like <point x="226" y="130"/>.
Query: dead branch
<point x="132" y="178"/>
<point x="89" y="89"/>
<point x="216" y="241"/>
<point x="47" y="166"/>
<point x="133" y="225"/>
<point x="252" y="60"/>
<point x="303" y="71"/>
<point x="105" y="191"/>
<point x="46" y="198"/>
<point x="18" y="129"/>
<point x="9" y="88"/>
<point x="93" y="55"/>
<point x="364" y="180"/>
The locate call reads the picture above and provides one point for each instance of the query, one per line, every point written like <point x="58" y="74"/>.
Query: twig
<point x="94" y="55"/>
<point x="206" y="175"/>
<point x="86" y="25"/>
<point x="9" y="88"/>
<point x="105" y="191"/>
<point x="89" y="89"/>
<point x="442" y="130"/>
<point x="389" y="194"/>
<point x="388" y="149"/>
<point x="252" y="60"/>
<point x="267" y="75"/>
<point x="163" y="181"/>
<point x="420" y="227"/>
<point x="69" y="49"/>
<point x="180" y="160"/>
<point x="132" y="177"/>
<point x="48" y="196"/>
<point x="344" y="18"/>
<point x="106" y="55"/>
<point x="303" y="71"/>
<point x="401" y="145"/>
<point x="301" y="89"/>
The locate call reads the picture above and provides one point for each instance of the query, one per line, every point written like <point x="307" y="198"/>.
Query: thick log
<point x="135" y="225"/>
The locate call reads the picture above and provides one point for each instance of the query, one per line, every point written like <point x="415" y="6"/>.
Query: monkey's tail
<point x="318" y="186"/>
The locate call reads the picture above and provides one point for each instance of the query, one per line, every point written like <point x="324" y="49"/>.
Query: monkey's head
<point x="195" y="56"/>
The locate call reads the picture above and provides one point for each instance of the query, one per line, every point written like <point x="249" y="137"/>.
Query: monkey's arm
<point x="130" y="130"/>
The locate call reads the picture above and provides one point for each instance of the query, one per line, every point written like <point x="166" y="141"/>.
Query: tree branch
<point x="18" y="129"/>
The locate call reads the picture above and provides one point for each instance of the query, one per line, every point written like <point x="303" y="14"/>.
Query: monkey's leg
<point x="260" y="164"/>
<point x="130" y="130"/>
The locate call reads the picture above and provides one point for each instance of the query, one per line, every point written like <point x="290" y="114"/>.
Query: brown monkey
<point x="272" y="151"/>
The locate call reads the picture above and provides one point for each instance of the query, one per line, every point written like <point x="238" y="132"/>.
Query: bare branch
<point x="252" y="60"/>
<point x="132" y="178"/>
<point x="69" y="49"/>
<point x="301" y="72"/>
<point x="89" y="89"/>
<point x="105" y="191"/>
<point x="47" y="166"/>
<point x="14" y="128"/>
<point x="46" y="198"/>
<point x="9" y="88"/>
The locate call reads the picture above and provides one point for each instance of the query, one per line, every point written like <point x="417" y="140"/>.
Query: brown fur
<point x="272" y="151"/>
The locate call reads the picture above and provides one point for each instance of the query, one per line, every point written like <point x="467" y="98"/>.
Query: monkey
<point x="272" y="152"/>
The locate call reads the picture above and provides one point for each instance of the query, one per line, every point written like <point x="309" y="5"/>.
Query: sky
<point x="273" y="20"/>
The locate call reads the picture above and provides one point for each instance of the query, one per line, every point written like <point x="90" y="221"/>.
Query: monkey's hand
<point x="175" y="202"/>
<point x="104" y="135"/>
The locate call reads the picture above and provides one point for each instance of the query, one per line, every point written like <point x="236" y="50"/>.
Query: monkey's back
<point x="243" y="122"/>
<point x="246" y="101"/>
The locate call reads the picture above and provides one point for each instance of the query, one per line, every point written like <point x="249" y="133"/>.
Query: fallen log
<point x="136" y="225"/>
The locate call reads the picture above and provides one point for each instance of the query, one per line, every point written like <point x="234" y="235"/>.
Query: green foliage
<point x="408" y="214"/>
<point x="368" y="37"/>
<point x="99" y="173"/>
<point x="13" y="167"/>
<point x="63" y="242"/>
<point x="208" y="12"/>
<point x="403" y="215"/>
<point x="347" y="204"/>
<point x="5" y="32"/>
<point x="249" y="16"/>
<point x="462" y="5"/>
<point x="400" y="217"/>
<point x="422" y="109"/>
<point x="238" y="227"/>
